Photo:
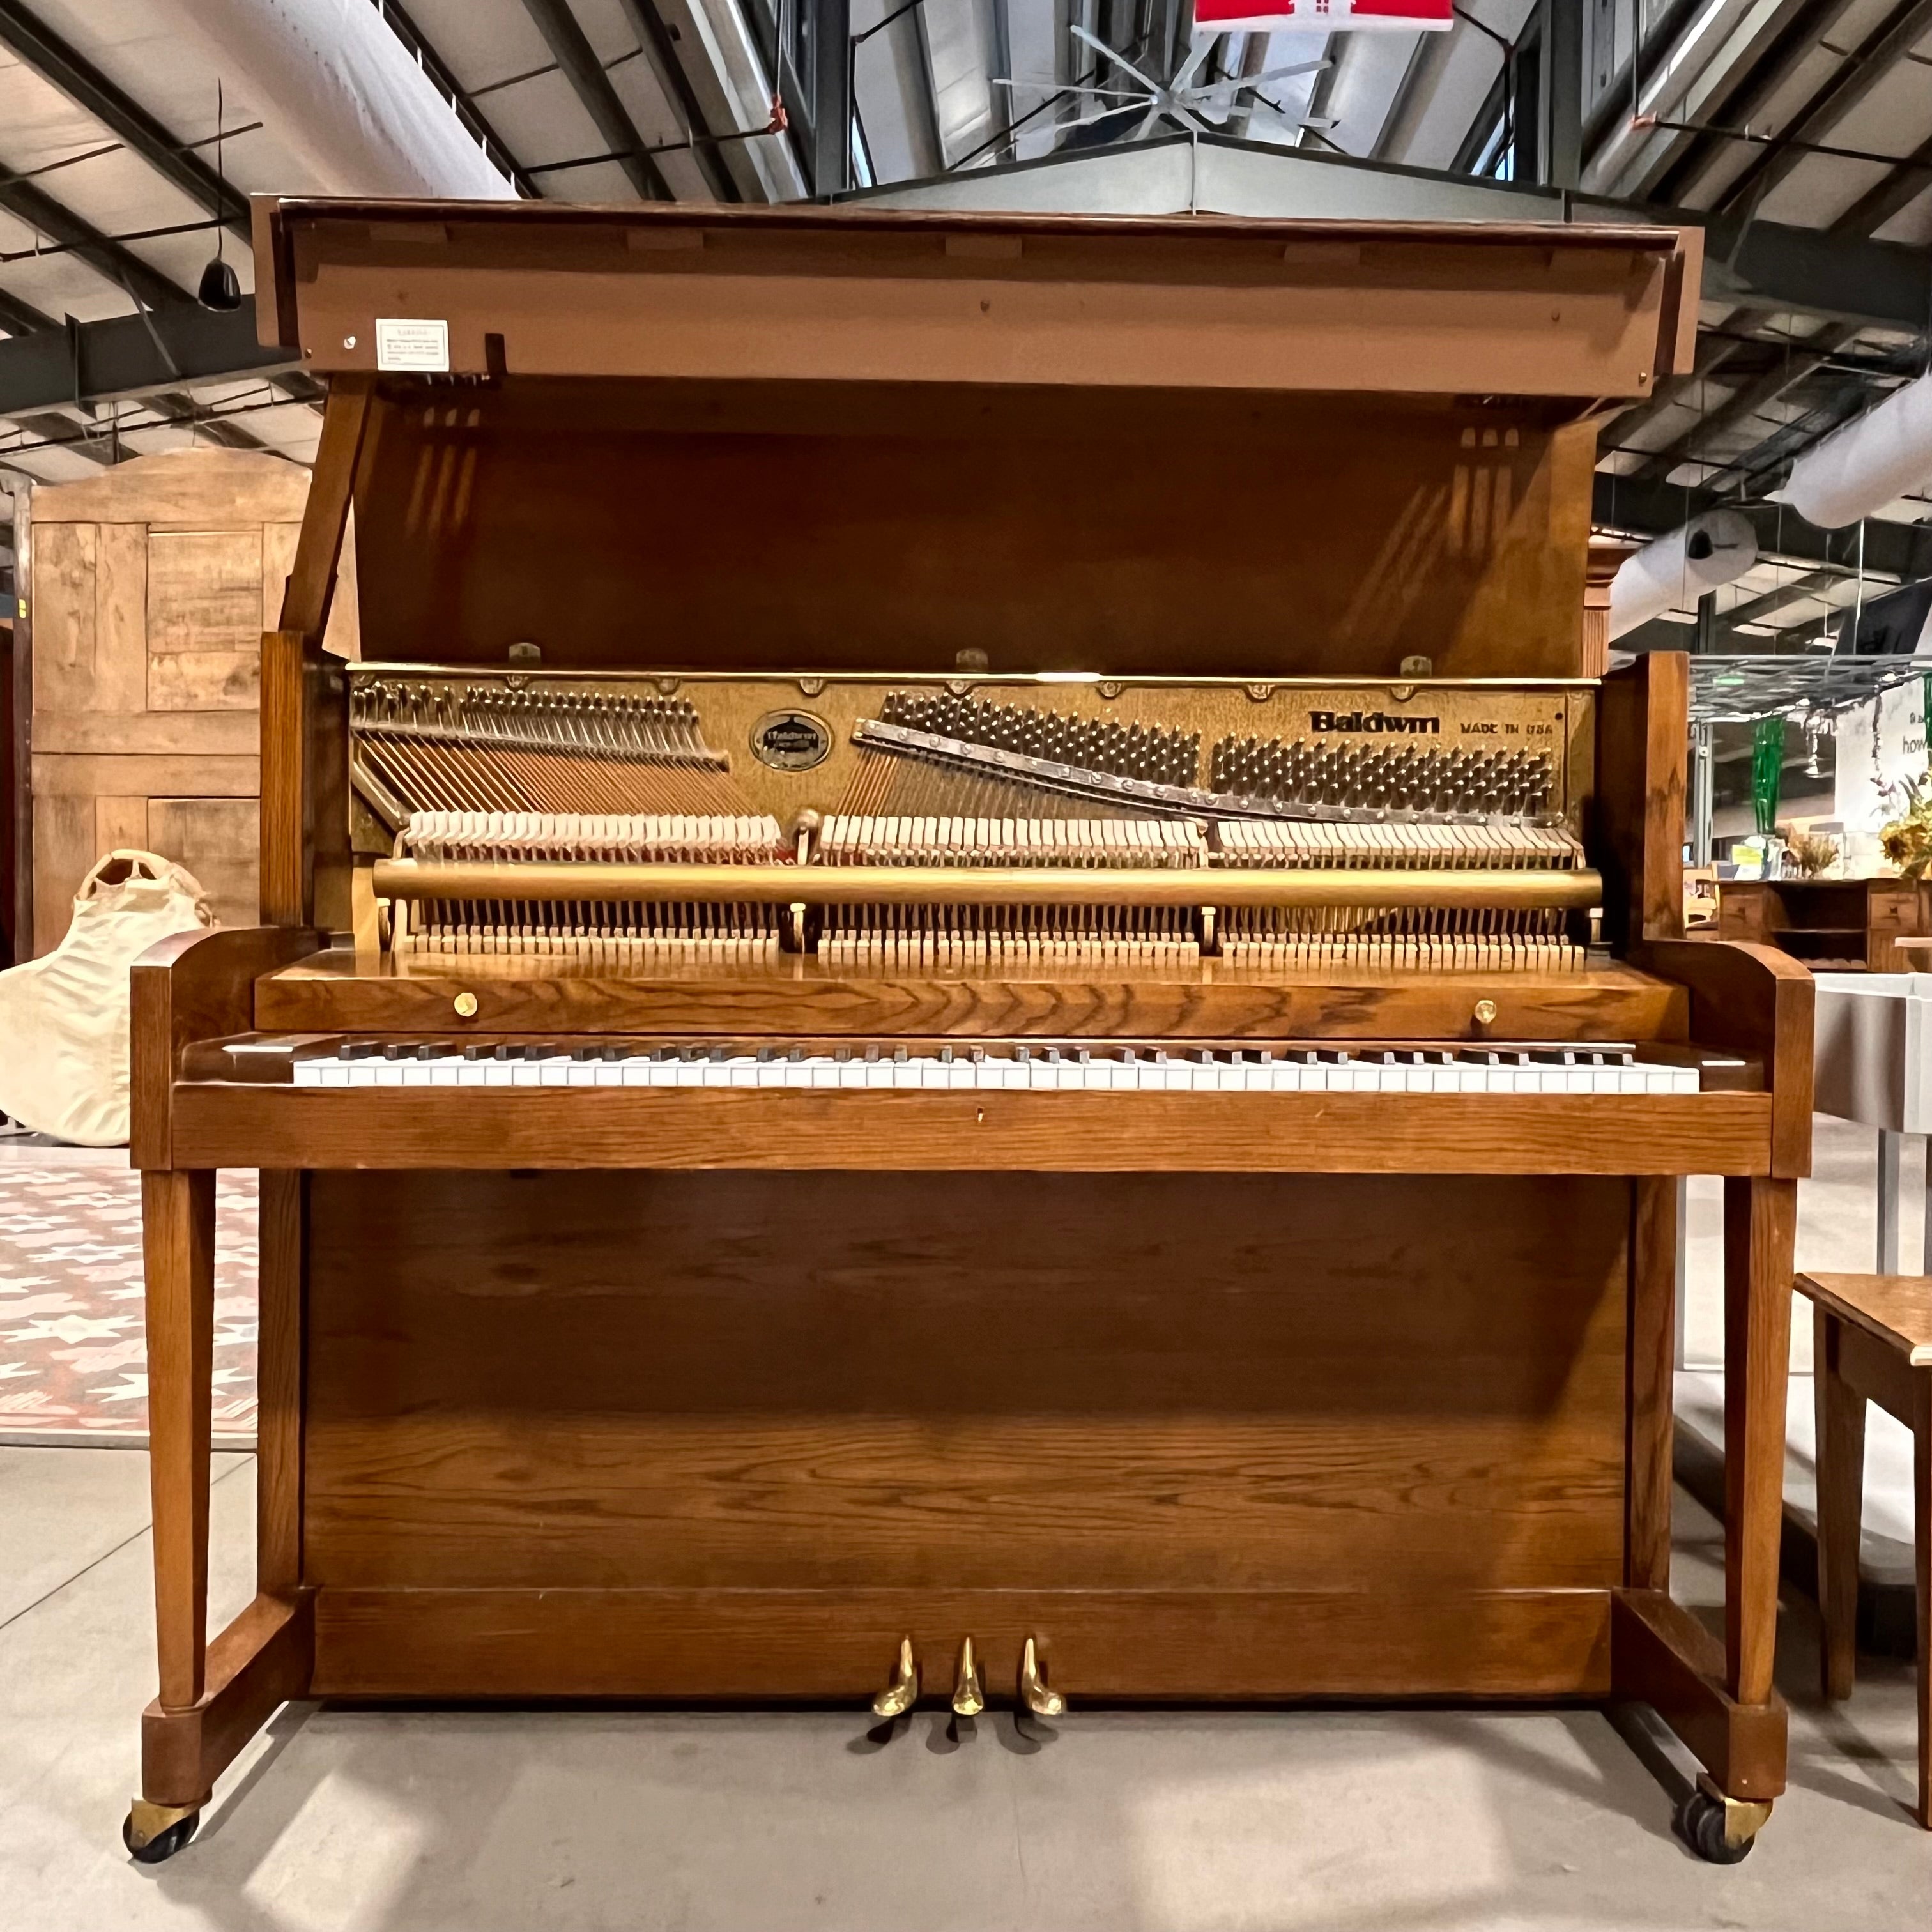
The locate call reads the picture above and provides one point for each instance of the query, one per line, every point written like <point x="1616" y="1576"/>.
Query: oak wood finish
<point x="776" y="1646"/>
<point x="491" y="1410"/>
<point x="222" y="1124"/>
<point x="1846" y="924"/>
<point x="651" y="1394"/>
<point x="341" y="991"/>
<point x="1760" y="1228"/>
<point x="1662" y="1656"/>
<point x="1643" y="729"/>
<point x="1755" y="1000"/>
<point x="196" y="985"/>
<point x="1652" y="1359"/>
<point x="876" y="295"/>
<point x="261" y="1661"/>
<point x="178" y="1212"/>
<point x="282" y="1219"/>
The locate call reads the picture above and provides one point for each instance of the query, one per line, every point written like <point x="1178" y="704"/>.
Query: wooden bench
<point x="1874" y="1344"/>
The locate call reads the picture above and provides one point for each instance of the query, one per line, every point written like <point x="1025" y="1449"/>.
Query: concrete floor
<point x="340" y="1821"/>
<point x="1340" y="1821"/>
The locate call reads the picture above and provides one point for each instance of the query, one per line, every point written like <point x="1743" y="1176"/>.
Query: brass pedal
<point x="969" y="1694"/>
<point x="901" y="1692"/>
<point x="1034" y="1695"/>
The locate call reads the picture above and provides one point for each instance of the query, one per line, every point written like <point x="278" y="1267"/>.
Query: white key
<point x="308" y="1072"/>
<point x="581" y="1073"/>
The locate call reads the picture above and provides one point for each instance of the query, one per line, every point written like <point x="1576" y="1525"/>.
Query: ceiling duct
<point x="1870" y="462"/>
<point x="343" y="97"/>
<point x="1673" y="572"/>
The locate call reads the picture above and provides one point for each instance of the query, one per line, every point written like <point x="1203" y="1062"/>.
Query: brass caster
<point x="1034" y="1695"/>
<point x="969" y="1694"/>
<point x="1721" y="1830"/>
<point x="153" y="1832"/>
<point x="900" y="1694"/>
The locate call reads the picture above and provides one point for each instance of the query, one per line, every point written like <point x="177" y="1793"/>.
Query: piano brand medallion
<point x="791" y="741"/>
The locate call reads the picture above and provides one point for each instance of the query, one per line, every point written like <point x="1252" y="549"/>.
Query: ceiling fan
<point x="1184" y="99"/>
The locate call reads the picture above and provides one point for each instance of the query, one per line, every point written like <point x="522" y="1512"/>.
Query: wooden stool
<point x="1874" y="1344"/>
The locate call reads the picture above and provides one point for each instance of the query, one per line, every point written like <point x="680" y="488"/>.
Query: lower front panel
<point x="771" y="1646"/>
<point x="734" y="1434"/>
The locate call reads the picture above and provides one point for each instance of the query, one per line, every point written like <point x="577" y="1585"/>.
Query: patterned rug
<point x="72" y="1349"/>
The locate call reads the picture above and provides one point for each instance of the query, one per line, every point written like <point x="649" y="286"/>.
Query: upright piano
<point x="972" y="1003"/>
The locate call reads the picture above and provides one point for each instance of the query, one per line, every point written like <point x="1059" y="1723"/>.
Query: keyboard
<point x="1594" y="1069"/>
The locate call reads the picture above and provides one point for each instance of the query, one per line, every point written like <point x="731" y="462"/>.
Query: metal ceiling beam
<point x="1746" y="400"/>
<point x="1800" y="586"/>
<point x="573" y="53"/>
<point x="112" y="260"/>
<point x="1902" y="29"/>
<point x="21" y="318"/>
<point x="51" y="428"/>
<point x="130" y="123"/>
<point x="647" y="22"/>
<point x="97" y="361"/>
<point x="1902" y="550"/>
<point x="831" y="96"/>
<point x="1892" y="194"/>
<point x="1743" y="100"/>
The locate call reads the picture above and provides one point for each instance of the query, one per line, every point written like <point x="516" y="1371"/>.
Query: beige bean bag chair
<point x="64" y="1018"/>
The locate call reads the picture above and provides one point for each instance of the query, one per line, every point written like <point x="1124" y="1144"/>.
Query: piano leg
<point x="212" y="1698"/>
<point x="177" y="1217"/>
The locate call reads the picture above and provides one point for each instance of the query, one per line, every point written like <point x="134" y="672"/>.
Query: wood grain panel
<point x="205" y="596"/>
<point x="65" y="847"/>
<point x="233" y="734"/>
<point x="63" y="608"/>
<point x="964" y="1380"/>
<point x="1180" y="1645"/>
<point x="89" y="775"/>
<point x="120" y="824"/>
<point x="121" y="620"/>
<point x="221" y="1124"/>
<point x="185" y="489"/>
<point x="343" y="990"/>
<point x="502" y="521"/>
<point x="216" y="838"/>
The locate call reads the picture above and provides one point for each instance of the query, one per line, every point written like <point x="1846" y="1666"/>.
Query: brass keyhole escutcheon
<point x="1485" y="1014"/>
<point x="465" y="1006"/>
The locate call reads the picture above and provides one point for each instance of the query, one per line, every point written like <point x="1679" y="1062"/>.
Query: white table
<point x="1872" y="1063"/>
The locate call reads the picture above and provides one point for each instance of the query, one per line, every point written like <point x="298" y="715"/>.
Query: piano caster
<point x="901" y="1693"/>
<point x="969" y="1694"/>
<point x="1034" y="1695"/>
<point x="154" y="1832"/>
<point x="1720" y="1830"/>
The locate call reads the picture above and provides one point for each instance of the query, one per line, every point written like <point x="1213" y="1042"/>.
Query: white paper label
<point x="423" y="346"/>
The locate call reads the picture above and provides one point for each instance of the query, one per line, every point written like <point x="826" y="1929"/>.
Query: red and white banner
<point x="1273" y="16"/>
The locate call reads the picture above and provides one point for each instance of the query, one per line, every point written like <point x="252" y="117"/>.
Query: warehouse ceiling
<point x="1799" y="130"/>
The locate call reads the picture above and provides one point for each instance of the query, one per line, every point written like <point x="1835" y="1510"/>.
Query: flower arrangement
<point x="1907" y="840"/>
<point x="1808" y="854"/>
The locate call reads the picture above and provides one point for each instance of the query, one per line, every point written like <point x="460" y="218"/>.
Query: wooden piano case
<point x="718" y="1396"/>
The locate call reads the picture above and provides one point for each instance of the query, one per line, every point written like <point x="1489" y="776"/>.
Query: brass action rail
<point x="864" y="885"/>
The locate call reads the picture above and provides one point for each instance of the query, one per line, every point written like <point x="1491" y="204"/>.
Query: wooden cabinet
<point x="1832" y="924"/>
<point x="147" y="590"/>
